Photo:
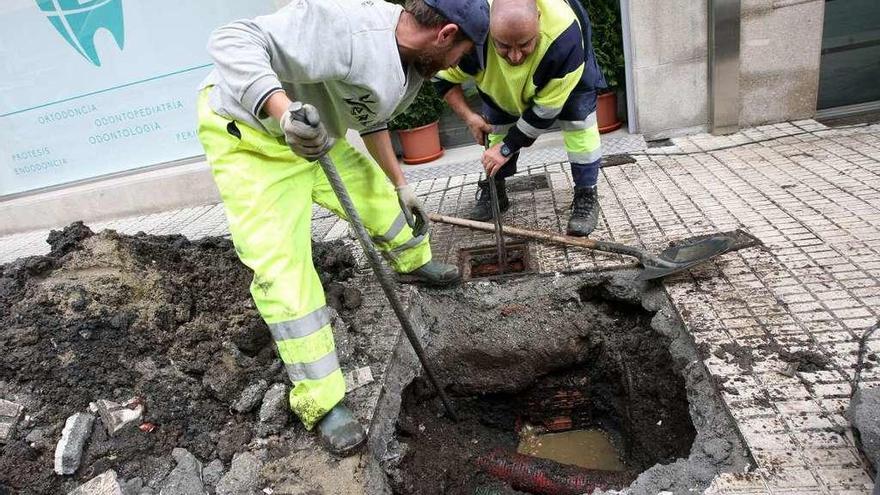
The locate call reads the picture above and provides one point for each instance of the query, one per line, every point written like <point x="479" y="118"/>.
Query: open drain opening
<point x="482" y="261"/>
<point x="538" y="372"/>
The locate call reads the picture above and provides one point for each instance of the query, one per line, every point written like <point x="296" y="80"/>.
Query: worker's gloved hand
<point x="304" y="132"/>
<point x="413" y="210"/>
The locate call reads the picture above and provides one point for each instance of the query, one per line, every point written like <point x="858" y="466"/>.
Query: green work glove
<point x="413" y="210"/>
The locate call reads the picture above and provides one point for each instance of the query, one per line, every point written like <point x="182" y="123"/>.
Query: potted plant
<point x="608" y="46"/>
<point x="417" y="127"/>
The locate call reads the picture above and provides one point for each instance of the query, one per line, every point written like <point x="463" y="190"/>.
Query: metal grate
<point x="481" y="262"/>
<point x="527" y="183"/>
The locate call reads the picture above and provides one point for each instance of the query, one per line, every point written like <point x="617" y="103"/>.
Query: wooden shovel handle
<point x="566" y="240"/>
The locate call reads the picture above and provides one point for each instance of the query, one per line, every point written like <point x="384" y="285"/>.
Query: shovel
<point x="673" y="259"/>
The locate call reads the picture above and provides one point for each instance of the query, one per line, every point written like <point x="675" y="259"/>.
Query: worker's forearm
<point x="276" y="104"/>
<point x="455" y="98"/>
<point x="379" y="146"/>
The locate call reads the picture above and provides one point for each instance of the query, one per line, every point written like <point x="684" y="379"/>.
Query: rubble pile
<point x="139" y="365"/>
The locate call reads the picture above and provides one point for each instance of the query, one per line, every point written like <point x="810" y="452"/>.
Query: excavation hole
<point x="541" y="368"/>
<point x="482" y="262"/>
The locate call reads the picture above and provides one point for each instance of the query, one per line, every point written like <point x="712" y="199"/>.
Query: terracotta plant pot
<point x="421" y="145"/>
<point x="606" y="113"/>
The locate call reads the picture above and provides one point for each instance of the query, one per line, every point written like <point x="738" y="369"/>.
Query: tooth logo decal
<point x="77" y="21"/>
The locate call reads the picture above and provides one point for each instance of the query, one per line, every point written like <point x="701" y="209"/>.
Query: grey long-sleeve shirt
<point x="339" y="55"/>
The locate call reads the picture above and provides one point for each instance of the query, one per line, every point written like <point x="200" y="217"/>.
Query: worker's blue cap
<point x="472" y="17"/>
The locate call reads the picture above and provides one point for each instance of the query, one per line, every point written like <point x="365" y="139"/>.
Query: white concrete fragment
<point x="358" y="378"/>
<point x="6" y="431"/>
<point x="116" y="416"/>
<point x="104" y="484"/>
<point x="10" y="409"/>
<point x="10" y="412"/>
<point x="68" y="452"/>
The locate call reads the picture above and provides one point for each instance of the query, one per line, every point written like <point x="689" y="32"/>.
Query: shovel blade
<point x="687" y="255"/>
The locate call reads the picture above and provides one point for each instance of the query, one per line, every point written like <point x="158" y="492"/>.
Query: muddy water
<point x="590" y="449"/>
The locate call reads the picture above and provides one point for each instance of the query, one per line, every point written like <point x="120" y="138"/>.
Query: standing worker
<point x="355" y="64"/>
<point x="539" y="69"/>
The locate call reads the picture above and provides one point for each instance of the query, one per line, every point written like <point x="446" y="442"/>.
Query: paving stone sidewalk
<point x="810" y="194"/>
<point x="812" y="197"/>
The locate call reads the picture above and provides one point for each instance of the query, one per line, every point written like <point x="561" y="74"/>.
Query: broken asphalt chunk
<point x="243" y="475"/>
<point x="186" y="478"/>
<point x="274" y="412"/>
<point x="250" y="396"/>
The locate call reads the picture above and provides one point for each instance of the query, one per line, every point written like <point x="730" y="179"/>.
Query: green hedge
<point x="607" y="39"/>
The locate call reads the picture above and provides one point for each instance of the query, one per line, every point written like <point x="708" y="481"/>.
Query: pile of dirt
<point x="162" y="318"/>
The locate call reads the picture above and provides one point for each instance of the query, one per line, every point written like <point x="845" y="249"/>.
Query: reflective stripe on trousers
<point x="302" y="344"/>
<point x="584" y="147"/>
<point x="268" y="194"/>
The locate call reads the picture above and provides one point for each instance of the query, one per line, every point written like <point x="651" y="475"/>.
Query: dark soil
<point x="109" y="316"/>
<point x="593" y="362"/>
<point x="805" y="361"/>
<point x="741" y="355"/>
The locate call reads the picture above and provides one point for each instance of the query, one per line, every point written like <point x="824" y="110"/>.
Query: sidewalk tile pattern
<point x="809" y="193"/>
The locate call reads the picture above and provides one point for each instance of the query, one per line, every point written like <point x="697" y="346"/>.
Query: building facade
<point x="98" y="95"/>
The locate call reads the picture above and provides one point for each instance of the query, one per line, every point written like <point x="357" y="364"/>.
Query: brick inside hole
<point x="482" y="261"/>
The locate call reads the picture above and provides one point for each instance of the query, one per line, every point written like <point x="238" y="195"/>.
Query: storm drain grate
<point x="481" y="262"/>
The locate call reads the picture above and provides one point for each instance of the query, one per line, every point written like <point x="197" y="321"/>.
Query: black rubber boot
<point x="433" y="273"/>
<point x="340" y="433"/>
<point x="584" y="211"/>
<point x="483" y="209"/>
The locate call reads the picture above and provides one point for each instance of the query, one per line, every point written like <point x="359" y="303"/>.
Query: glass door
<point x="850" y="64"/>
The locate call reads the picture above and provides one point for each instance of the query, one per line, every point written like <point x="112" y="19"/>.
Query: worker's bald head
<point x="515" y="14"/>
<point x="515" y="28"/>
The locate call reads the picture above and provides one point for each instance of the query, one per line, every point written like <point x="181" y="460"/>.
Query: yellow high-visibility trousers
<point x="268" y="192"/>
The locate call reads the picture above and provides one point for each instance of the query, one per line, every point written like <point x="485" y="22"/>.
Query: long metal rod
<point x="496" y="217"/>
<point x="385" y="279"/>
<point x="499" y="235"/>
